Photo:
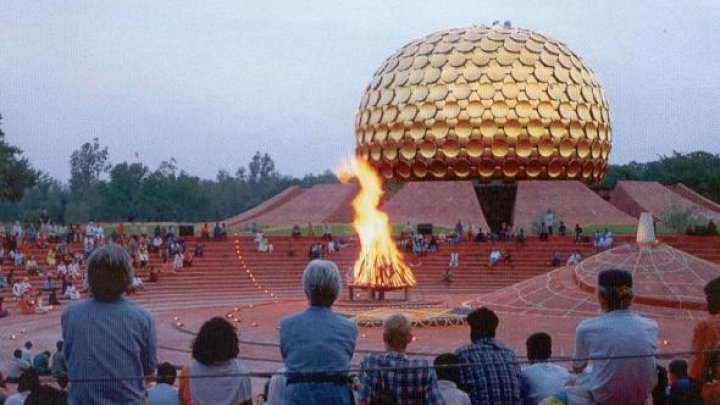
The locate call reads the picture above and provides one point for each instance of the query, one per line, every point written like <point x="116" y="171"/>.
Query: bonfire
<point x="380" y="265"/>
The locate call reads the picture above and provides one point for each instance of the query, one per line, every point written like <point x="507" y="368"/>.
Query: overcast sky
<point x="209" y="82"/>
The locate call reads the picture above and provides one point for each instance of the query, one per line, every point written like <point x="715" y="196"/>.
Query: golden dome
<point x="487" y="103"/>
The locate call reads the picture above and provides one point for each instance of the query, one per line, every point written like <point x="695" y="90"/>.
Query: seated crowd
<point x="613" y="363"/>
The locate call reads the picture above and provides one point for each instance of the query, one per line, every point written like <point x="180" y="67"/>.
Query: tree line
<point x="102" y="191"/>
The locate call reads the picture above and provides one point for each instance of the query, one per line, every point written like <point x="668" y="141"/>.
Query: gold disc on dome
<point x="573" y="92"/>
<point x="536" y="129"/>
<point x="566" y="111"/>
<point x="583" y="112"/>
<point x="465" y="46"/>
<point x="419" y="169"/>
<point x="555" y="168"/>
<point x="402" y="95"/>
<point x="443" y="47"/>
<point x="587" y="93"/>
<point x="390" y="151"/>
<point x="368" y="134"/>
<point x="405" y="63"/>
<point x="486" y="91"/>
<point x="528" y="58"/>
<point x="520" y="73"/>
<point x="480" y="58"/>
<point x="596" y="149"/>
<point x="576" y="130"/>
<point x="420" y="93"/>
<point x="386" y="95"/>
<point x="439" y="129"/>
<point x="488" y="45"/>
<point x="533" y="91"/>
<point x="512" y="45"/>
<point x="591" y="130"/>
<point x="546" y="147"/>
<point x="486" y="168"/>
<point x="512" y="128"/>
<point x="417" y="131"/>
<point x="602" y="132"/>
<point x="558" y="129"/>
<point x="556" y="91"/>
<point x="408" y="150"/>
<point x="420" y="61"/>
<point x="562" y="75"/>
<point x="403" y="170"/>
<point x="375" y="152"/>
<point x="495" y="72"/>
<point x="523" y="147"/>
<point x="408" y="112"/>
<point x="451" y="109"/>
<point x="389" y="114"/>
<point x="397" y="131"/>
<point x="566" y="148"/>
<point x="472" y="73"/>
<point x="510" y="168"/>
<point x="474" y="148"/>
<point x="499" y="147"/>
<point x="438" y="60"/>
<point x="505" y="58"/>
<point x="583" y="148"/>
<point x="510" y="91"/>
<point x="523" y="109"/>
<point x="474" y="109"/>
<point x="605" y="150"/>
<point x="587" y="169"/>
<point x="416" y="76"/>
<point x="428" y="110"/>
<point x="451" y="148"/>
<point x="428" y="149"/>
<point x="438" y="168"/>
<point x="499" y="109"/>
<point x="457" y="59"/>
<point x="432" y="75"/>
<point x="488" y="128"/>
<point x="463" y="129"/>
<point x="533" y="168"/>
<point x="545" y="109"/>
<point x="548" y="59"/>
<point x="438" y="92"/>
<point x="386" y="170"/>
<point x="461" y="168"/>
<point x="573" y="168"/>
<point x="461" y="91"/>
<point x="449" y="74"/>
<point x="381" y="133"/>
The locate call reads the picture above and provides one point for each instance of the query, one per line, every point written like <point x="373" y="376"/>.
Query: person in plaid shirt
<point x="489" y="370"/>
<point x="409" y="381"/>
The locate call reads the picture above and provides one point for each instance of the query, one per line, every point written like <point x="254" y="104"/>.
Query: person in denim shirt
<point x="317" y="344"/>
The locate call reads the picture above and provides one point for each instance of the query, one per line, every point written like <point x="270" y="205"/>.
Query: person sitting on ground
<point x="16" y="257"/>
<point x="265" y="246"/>
<point x="187" y="259"/>
<point x="40" y="307"/>
<point x="46" y="395"/>
<point x="214" y="352"/>
<point x="128" y="347"/>
<point x="711" y="228"/>
<point x="154" y="275"/>
<point x="137" y="284"/>
<point x="447" y="369"/>
<point x="409" y="381"/>
<point x="59" y="366"/>
<point x="480" y="236"/>
<point x="296" y="232"/>
<point x="489" y="370"/>
<point x="681" y="390"/>
<point x="27" y="382"/>
<point x="619" y="332"/>
<point x="41" y="363"/>
<point x="555" y="260"/>
<point x="199" y="250"/>
<point x="317" y="344"/>
<point x="448" y="276"/>
<point x="50" y="259"/>
<point x="177" y="261"/>
<point x="143" y="256"/>
<point x="574" y="259"/>
<point x="31" y="266"/>
<point x="157" y="243"/>
<point x="541" y="379"/>
<point x="163" y="392"/>
<point x="494" y="257"/>
<point x="17" y="366"/>
<point x="507" y="257"/>
<point x="327" y="231"/>
<point x="3" y="279"/>
<point x="549" y="220"/>
<point x="22" y="288"/>
<point x="72" y="293"/>
<point x="217" y="231"/>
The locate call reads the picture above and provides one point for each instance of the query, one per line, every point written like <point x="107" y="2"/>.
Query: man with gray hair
<point x="317" y="344"/>
<point x="394" y="375"/>
<point x="109" y="342"/>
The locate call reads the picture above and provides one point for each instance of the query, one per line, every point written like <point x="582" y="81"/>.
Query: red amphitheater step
<point x="635" y="197"/>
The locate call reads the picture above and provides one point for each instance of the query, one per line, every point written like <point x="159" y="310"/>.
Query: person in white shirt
<point x="618" y="332"/>
<point x="72" y="293"/>
<point x="62" y="269"/>
<point x="494" y="257"/>
<point x="31" y="266"/>
<point x="73" y="269"/>
<point x="541" y="379"/>
<point x="164" y="393"/>
<point x="16" y="230"/>
<point x="21" y="288"/>
<point x="137" y="283"/>
<point x="574" y="258"/>
<point x="26" y="353"/>
<point x="454" y="259"/>
<point x="447" y="369"/>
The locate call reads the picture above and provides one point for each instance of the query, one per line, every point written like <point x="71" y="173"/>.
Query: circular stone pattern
<point x="487" y="103"/>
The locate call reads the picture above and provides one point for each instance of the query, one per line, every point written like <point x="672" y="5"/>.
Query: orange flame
<point x="380" y="264"/>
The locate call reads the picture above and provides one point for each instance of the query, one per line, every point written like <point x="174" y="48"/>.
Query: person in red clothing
<point x="704" y="363"/>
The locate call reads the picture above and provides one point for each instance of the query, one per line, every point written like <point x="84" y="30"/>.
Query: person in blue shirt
<point x="317" y="344"/>
<point x="41" y="363"/>
<point x="163" y="393"/>
<point x="110" y="342"/>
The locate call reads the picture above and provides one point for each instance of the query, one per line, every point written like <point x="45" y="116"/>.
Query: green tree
<point x="16" y="175"/>
<point x="87" y="164"/>
<point x="122" y="199"/>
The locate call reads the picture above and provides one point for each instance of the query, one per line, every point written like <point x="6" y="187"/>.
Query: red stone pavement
<point x="651" y="196"/>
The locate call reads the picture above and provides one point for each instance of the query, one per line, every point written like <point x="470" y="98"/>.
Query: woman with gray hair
<point x="317" y="344"/>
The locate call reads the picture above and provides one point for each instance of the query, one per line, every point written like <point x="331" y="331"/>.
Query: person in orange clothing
<point x="705" y="362"/>
<point x="205" y="232"/>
